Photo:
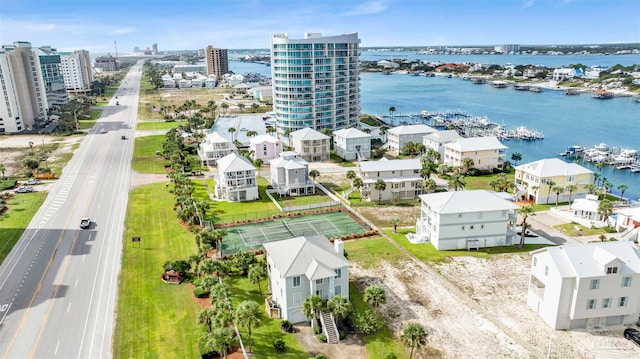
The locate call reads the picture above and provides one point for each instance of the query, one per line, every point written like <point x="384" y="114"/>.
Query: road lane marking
<point x="76" y="285"/>
<point x="69" y="307"/>
<point x="57" y="346"/>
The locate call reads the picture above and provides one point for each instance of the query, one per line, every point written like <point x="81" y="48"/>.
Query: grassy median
<point x="19" y="211"/>
<point x="145" y="159"/>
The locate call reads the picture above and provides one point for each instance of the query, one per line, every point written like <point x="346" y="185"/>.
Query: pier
<point x="620" y="158"/>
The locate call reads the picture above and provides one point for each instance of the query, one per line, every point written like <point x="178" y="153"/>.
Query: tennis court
<point x="251" y="236"/>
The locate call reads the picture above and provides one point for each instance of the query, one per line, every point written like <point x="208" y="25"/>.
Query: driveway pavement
<point x="351" y="347"/>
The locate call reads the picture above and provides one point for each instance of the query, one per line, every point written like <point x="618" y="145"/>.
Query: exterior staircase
<point x="329" y="328"/>
<point x="630" y="234"/>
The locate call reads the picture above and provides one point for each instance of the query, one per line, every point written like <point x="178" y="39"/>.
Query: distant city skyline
<point x="248" y="24"/>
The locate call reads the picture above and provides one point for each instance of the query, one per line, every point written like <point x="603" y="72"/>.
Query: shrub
<point x="200" y="292"/>
<point x="320" y="356"/>
<point x="286" y="326"/>
<point x="367" y="322"/>
<point x="7" y="184"/>
<point x="391" y="356"/>
<point x="322" y="337"/>
<point x="279" y="345"/>
<point x="342" y="334"/>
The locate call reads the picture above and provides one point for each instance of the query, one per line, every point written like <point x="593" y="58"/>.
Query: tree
<point x="205" y="317"/>
<point x="414" y="336"/>
<point x="339" y="306"/>
<point x="557" y="190"/>
<point x="218" y="236"/>
<point x="254" y="107"/>
<point x="550" y="185"/>
<point x="379" y="186"/>
<point x="233" y="134"/>
<point x="271" y="130"/>
<point x="243" y="261"/>
<point x="394" y="221"/>
<point x="241" y="107"/>
<point x="430" y="185"/>
<point x="524" y="212"/>
<point x="467" y="164"/>
<point x="249" y="315"/>
<point x="225" y="107"/>
<point x="515" y="157"/>
<point x="351" y="175"/>
<point x="30" y="163"/>
<point x="258" y="163"/>
<point x="311" y="307"/>
<point x="605" y="209"/>
<point x="456" y="181"/>
<point x="571" y="188"/>
<point x="409" y="148"/>
<point x="358" y="183"/>
<point x="375" y="295"/>
<point x="367" y="322"/>
<point x="621" y="187"/>
<point x="392" y="110"/>
<point x="313" y="174"/>
<point x="252" y="134"/>
<point x="2" y="169"/>
<point x="219" y="340"/>
<point x="256" y="274"/>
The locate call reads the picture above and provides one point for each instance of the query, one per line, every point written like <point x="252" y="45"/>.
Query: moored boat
<point x="602" y="95"/>
<point x="571" y="91"/>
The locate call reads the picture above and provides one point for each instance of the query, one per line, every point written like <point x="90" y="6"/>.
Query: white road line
<point x="69" y="307"/>
<point x="76" y="284"/>
<point x="57" y="346"/>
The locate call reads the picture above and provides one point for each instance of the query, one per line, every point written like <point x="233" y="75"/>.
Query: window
<point x="338" y="290"/>
<point x="339" y="273"/>
<point x="318" y="281"/>
<point x="296" y="281"/>
<point x="482" y="226"/>
<point x="606" y="303"/>
<point x="595" y="284"/>
<point x="470" y="227"/>
<point x="591" y="304"/>
<point x="612" y="270"/>
<point x="297" y="298"/>
<point x="626" y="281"/>
<point x="463" y="228"/>
<point x="622" y="302"/>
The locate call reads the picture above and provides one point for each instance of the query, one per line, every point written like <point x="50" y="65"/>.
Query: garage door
<point x="296" y="316"/>
<point x="614" y="320"/>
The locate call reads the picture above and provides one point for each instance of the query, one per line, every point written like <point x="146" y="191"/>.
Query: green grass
<point x="58" y="165"/>
<point x="337" y="159"/>
<point x="482" y="181"/>
<point x="369" y="252"/>
<point x="302" y="200"/>
<point x="144" y="154"/>
<point x="157" y="125"/>
<point x="426" y="252"/>
<point x="263" y="336"/>
<point x="20" y="209"/>
<point x="574" y="229"/>
<point x="94" y="115"/>
<point x="154" y="319"/>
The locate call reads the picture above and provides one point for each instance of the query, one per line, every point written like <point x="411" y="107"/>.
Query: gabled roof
<point x="412" y="130"/>
<point x="390" y="165"/>
<point x="234" y="162"/>
<point x="263" y="138"/>
<point x="289" y="162"/>
<point x="476" y="144"/>
<point x="308" y="134"/>
<point x="467" y="201"/>
<point x="443" y="136"/>
<point x="551" y="167"/>
<point x="313" y="256"/>
<point x="351" y="133"/>
<point x="215" y="137"/>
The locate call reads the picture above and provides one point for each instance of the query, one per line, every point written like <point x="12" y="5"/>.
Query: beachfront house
<point x="486" y="152"/>
<point x="535" y="180"/>
<point x="302" y="266"/>
<point x="438" y="139"/>
<point x="563" y="74"/>
<point x="310" y="144"/>
<point x="290" y="175"/>
<point x="401" y="178"/>
<point x="466" y="219"/>
<point x="351" y="144"/>
<point x="213" y="148"/>
<point x="397" y="137"/>
<point x="533" y="71"/>
<point x="589" y="285"/>
<point x="236" y="179"/>
<point x="265" y="147"/>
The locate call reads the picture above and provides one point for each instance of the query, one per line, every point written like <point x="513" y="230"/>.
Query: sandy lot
<point x="13" y="149"/>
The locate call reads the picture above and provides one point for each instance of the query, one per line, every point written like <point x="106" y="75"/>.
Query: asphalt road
<point x="58" y="285"/>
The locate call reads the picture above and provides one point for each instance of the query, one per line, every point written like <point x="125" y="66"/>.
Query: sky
<point x="248" y="24"/>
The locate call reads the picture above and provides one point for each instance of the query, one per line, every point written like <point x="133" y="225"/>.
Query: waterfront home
<point x="236" y="179"/>
<point x="214" y="147"/>
<point x="563" y="74"/>
<point x="301" y="267"/>
<point x="466" y="219"/>
<point x="589" y="285"/>
<point x="628" y="223"/>
<point x="397" y="137"/>
<point x="401" y="178"/>
<point x="486" y="152"/>
<point x="290" y="175"/>
<point x="265" y="147"/>
<point x="586" y="207"/>
<point x="387" y="64"/>
<point x="535" y="180"/>
<point x="310" y="144"/>
<point x="533" y="71"/>
<point x="351" y="144"/>
<point x="438" y="139"/>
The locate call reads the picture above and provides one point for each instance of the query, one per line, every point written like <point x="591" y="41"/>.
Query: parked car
<point x="24" y="189"/>
<point x="123" y="137"/>
<point x="102" y="130"/>
<point x="85" y="222"/>
<point x="117" y="103"/>
<point x="32" y="181"/>
<point x="633" y="335"/>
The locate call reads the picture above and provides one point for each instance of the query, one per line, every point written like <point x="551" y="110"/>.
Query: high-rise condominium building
<point x="316" y="81"/>
<point x="23" y="100"/>
<point x="217" y="61"/>
<point x="52" y="77"/>
<point x="77" y="71"/>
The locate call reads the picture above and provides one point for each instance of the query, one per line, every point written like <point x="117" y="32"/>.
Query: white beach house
<point x="236" y="179"/>
<point x="397" y="137"/>
<point x="310" y="144"/>
<point x="438" y="139"/>
<point x="351" y="144"/>
<point x="213" y="148"/>
<point x="401" y="177"/>
<point x="487" y="152"/>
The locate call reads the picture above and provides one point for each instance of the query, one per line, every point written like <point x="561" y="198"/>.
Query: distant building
<point x="217" y="61"/>
<point x="436" y="140"/>
<point x="77" y="71"/>
<point x="505" y="49"/>
<point x="52" y="77"/>
<point x="107" y="63"/>
<point x="136" y="49"/>
<point x="265" y="147"/>
<point x="154" y="47"/>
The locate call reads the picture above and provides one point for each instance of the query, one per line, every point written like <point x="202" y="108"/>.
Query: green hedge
<point x="7" y="184"/>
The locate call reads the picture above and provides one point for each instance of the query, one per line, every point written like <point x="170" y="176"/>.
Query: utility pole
<point x="115" y="43"/>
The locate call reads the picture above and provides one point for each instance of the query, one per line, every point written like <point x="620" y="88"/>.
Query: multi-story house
<point x="316" y="81"/>
<point x="213" y="148"/>
<point x="401" y="177"/>
<point x="466" y="219"/>
<point x="587" y="285"/>
<point x="301" y="267"/>
<point x="217" y="61"/>
<point x="265" y="147"/>
<point x="487" y="152"/>
<point x="77" y="71"/>
<point x="397" y="137"/>
<point x="236" y="180"/>
<point x="351" y="144"/>
<point x="438" y="139"/>
<point x="310" y="144"/>
<point x="290" y="175"/>
<point x="535" y="180"/>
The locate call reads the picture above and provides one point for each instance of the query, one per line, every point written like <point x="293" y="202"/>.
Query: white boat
<point x="424" y="114"/>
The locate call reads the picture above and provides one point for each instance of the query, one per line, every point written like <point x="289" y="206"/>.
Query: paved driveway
<point x="352" y="347"/>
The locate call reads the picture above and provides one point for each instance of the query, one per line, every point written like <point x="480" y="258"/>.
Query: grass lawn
<point x="426" y="252"/>
<point x="86" y="124"/>
<point x="482" y="181"/>
<point x="263" y="336"/>
<point x="574" y="229"/>
<point x="368" y="252"/>
<point x="20" y="209"/>
<point x="302" y="200"/>
<point x="337" y="159"/>
<point x="157" y="125"/>
<point x="154" y="319"/>
<point x="144" y="154"/>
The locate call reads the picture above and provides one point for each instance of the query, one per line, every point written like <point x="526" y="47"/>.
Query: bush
<point x="391" y="356"/>
<point x="200" y="292"/>
<point x="286" y="326"/>
<point x="279" y="345"/>
<point x="342" y="334"/>
<point x="320" y="356"/>
<point x="367" y="322"/>
<point x="7" y="184"/>
<point x="322" y="337"/>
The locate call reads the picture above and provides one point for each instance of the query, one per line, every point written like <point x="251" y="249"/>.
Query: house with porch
<point x="290" y="175"/>
<point x="265" y="147"/>
<point x="438" y="139"/>
<point x="303" y="266"/>
<point x="352" y="144"/>
<point x="397" y="137"/>
<point x="486" y="152"/>
<point x="310" y="144"/>
<point x="586" y="286"/>
<point x="401" y="177"/>
<point x="213" y="148"/>
<point x="532" y="180"/>
<point x="466" y="219"/>
<point x="236" y="180"/>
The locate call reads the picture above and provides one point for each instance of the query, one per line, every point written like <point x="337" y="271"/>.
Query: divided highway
<point x="58" y="285"/>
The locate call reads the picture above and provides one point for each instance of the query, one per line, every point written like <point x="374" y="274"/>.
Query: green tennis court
<point x="251" y="236"/>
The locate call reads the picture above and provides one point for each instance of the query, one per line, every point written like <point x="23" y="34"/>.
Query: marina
<point x="616" y="157"/>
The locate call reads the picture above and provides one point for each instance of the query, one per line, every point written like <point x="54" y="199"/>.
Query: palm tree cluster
<point x="501" y="183"/>
<point x="413" y="148"/>
<point x="338" y="305"/>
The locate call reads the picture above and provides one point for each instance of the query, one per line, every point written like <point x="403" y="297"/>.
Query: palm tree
<point x="205" y="317"/>
<point x="596" y="178"/>
<point x="225" y="107"/>
<point x="313" y="174"/>
<point x="241" y="107"/>
<point x="271" y="130"/>
<point x="2" y="169"/>
<point x="339" y="306"/>
<point x="218" y="236"/>
<point x="426" y="170"/>
<point x="351" y="175"/>
<point x="621" y="187"/>
<point x="392" y="110"/>
<point x="220" y="340"/>
<point x="379" y="186"/>
<point x="254" y="107"/>
<point x="414" y="336"/>
<point x="467" y="163"/>
<point x="457" y="181"/>
<point x="430" y="185"/>
<point x="605" y="209"/>
<point x="255" y="274"/>
<point x="515" y="157"/>
<point x="258" y="162"/>
<point x="590" y="188"/>
<point x="571" y="188"/>
<point x="557" y="190"/>
<point x="375" y="295"/>
<point x="311" y="307"/>
<point x="358" y="183"/>
<point x="249" y="315"/>
<point x="251" y="134"/>
<point x="232" y="132"/>
<point x="394" y="221"/>
<point x="550" y="185"/>
<point x="524" y="212"/>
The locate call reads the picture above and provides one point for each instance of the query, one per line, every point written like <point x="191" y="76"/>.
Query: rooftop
<point x="306" y="134"/>
<point x="550" y="167"/>
<point x="476" y="144"/>
<point x="467" y="201"/>
<point x="390" y="165"/>
<point x="305" y="255"/>
<point x="412" y="130"/>
<point x="234" y="162"/>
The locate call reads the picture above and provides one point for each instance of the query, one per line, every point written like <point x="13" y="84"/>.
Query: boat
<point x="635" y="168"/>
<point x="521" y="87"/>
<point x="478" y="81"/>
<point x="571" y="91"/>
<point x="602" y="95"/>
<point x="499" y="84"/>
<point x="537" y="89"/>
<point x="424" y="114"/>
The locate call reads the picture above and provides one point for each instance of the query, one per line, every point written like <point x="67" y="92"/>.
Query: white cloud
<point x="528" y="4"/>
<point x="123" y="31"/>
<point x="367" y="8"/>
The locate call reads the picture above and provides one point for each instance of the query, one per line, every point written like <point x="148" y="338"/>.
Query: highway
<point x="58" y="285"/>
